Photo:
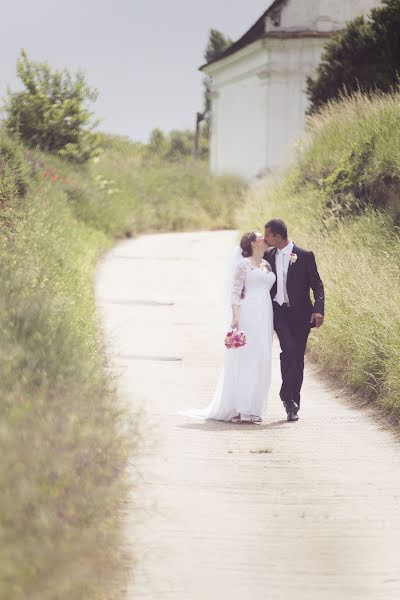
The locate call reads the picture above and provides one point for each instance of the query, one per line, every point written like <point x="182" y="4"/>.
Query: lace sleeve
<point x="238" y="282"/>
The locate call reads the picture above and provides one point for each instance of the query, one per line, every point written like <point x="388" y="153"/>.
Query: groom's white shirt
<point x="285" y="252"/>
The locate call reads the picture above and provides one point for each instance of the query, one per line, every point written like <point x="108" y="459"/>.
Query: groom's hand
<point x="317" y="318"/>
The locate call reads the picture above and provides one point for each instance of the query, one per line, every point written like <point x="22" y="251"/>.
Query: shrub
<point x="157" y="143"/>
<point x="51" y="113"/>
<point x="177" y="145"/>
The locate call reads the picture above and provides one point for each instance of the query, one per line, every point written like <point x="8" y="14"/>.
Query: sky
<point x="141" y="56"/>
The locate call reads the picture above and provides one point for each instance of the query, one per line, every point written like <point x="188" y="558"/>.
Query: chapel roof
<point x="257" y="31"/>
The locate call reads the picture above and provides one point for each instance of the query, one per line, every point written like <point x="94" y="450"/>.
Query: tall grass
<point x="64" y="437"/>
<point x="342" y="200"/>
<point x="125" y="192"/>
<point x="355" y="151"/>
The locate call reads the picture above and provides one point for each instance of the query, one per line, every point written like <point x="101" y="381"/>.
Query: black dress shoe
<point x="291" y="407"/>
<point x="292" y="416"/>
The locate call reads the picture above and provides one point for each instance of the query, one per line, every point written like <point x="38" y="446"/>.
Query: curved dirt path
<point x="309" y="510"/>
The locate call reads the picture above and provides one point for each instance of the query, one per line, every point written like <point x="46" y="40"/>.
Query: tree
<point x="216" y="45"/>
<point x="51" y="113"/>
<point x="365" y="56"/>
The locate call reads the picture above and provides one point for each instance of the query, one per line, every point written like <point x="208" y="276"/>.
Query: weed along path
<point x="299" y="511"/>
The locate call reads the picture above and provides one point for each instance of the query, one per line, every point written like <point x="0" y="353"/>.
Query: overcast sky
<point x="142" y="56"/>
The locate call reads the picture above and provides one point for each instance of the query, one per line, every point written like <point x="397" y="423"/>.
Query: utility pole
<point x="199" y="118"/>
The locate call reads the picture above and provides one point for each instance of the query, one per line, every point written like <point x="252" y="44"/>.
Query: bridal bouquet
<point x="235" y="339"/>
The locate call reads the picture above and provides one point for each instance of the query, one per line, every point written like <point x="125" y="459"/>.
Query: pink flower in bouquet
<point x="235" y="339"/>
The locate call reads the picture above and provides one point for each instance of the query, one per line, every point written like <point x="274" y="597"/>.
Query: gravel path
<point x="291" y="511"/>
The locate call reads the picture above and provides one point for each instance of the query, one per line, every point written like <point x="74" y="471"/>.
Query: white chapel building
<point x="258" y="100"/>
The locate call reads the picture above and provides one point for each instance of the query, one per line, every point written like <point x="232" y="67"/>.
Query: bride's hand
<point x="235" y="323"/>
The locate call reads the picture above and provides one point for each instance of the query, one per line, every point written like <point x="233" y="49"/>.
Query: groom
<point x="294" y="314"/>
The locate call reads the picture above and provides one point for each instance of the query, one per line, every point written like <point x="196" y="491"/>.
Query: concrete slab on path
<point x="301" y="511"/>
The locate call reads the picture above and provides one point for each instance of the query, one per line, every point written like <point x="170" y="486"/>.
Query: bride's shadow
<point x="222" y="426"/>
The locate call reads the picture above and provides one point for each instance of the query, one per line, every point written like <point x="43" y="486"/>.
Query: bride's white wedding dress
<point x="246" y="377"/>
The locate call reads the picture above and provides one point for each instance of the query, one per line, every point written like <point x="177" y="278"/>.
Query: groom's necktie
<point x="280" y="294"/>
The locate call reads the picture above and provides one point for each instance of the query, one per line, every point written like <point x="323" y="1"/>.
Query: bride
<point x="242" y="390"/>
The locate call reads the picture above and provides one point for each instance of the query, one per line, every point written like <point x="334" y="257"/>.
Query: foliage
<point x="158" y="145"/>
<point x="176" y="146"/>
<point x="341" y="199"/>
<point x="180" y="145"/>
<point x="64" y="438"/>
<point x="364" y="57"/>
<point x="126" y="192"/>
<point x="14" y="176"/>
<point x="217" y="43"/>
<point x="51" y="113"/>
<point x="354" y="159"/>
<point x="154" y="194"/>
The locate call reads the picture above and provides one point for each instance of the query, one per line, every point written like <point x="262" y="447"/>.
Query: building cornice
<point x="301" y="33"/>
<point x="258" y="31"/>
<point x="267" y="43"/>
<point x="232" y="59"/>
<point x="271" y="35"/>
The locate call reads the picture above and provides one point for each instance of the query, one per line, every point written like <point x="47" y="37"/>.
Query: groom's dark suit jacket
<point x="302" y="277"/>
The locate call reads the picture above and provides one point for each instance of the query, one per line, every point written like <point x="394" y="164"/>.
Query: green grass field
<point x="127" y="192"/>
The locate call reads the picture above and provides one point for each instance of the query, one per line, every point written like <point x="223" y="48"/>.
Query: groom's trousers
<point x="293" y="335"/>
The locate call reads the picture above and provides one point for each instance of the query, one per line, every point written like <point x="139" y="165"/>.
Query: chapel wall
<point x="238" y="116"/>
<point x="316" y="15"/>
<point x="238" y="142"/>
<point x="259" y="102"/>
<point x="290" y="62"/>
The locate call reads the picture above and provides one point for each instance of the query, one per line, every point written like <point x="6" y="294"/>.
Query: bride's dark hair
<point x="245" y="244"/>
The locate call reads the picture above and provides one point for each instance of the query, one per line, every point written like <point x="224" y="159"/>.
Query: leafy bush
<point x="364" y="57"/>
<point x="51" y="113"/>
<point x="177" y="145"/>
